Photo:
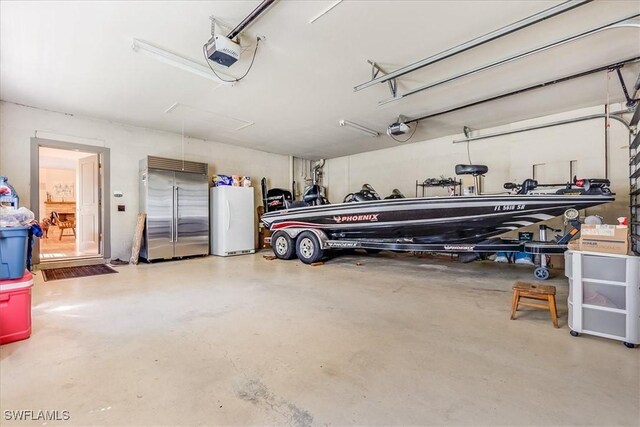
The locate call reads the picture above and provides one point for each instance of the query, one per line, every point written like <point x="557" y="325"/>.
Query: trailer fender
<point x="294" y="232"/>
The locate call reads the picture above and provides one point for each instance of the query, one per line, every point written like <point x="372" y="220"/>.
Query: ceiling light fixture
<point x="174" y="60"/>
<point x="360" y="128"/>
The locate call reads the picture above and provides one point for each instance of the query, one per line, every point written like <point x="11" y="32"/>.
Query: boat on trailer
<point x="307" y="229"/>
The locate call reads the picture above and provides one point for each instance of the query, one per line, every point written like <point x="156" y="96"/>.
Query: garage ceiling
<point x="76" y="57"/>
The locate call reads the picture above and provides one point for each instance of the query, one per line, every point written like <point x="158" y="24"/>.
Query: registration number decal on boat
<point x="509" y="207"/>
<point x="353" y="218"/>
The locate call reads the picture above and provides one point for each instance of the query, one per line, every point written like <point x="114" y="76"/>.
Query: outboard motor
<point x="275" y="198"/>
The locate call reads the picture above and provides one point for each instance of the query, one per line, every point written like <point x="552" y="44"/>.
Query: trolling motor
<point x="577" y="187"/>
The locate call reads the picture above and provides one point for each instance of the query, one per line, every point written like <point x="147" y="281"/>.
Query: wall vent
<point x="177" y="165"/>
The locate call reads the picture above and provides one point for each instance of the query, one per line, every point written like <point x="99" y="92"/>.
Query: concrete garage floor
<point x="396" y="340"/>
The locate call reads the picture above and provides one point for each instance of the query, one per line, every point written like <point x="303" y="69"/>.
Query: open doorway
<point x="69" y="192"/>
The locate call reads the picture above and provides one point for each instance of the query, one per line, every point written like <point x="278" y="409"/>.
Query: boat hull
<point x="431" y="219"/>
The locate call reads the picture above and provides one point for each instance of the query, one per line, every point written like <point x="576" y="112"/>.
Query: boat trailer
<point x="541" y="247"/>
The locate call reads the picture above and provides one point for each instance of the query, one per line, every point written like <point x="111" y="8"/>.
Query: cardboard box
<point x="611" y="239"/>
<point x="262" y="234"/>
<point x="574" y="245"/>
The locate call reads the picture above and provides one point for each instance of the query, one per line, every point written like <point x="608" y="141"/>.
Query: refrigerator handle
<point x="173" y="208"/>
<point x="177" y="203"/>
<point x="228" y="215"/>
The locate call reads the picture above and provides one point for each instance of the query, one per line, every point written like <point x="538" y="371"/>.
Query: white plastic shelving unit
<point x="604" y="295"/>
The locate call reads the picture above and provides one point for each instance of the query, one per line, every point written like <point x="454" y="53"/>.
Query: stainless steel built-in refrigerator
<point x="175" y="196"/>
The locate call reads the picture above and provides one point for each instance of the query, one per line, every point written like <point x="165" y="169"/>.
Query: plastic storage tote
<point x="13" y="251"/>
<point x="15" y="308"/>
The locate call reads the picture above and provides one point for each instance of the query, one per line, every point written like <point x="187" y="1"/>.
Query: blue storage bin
<point x="13" y="251"/>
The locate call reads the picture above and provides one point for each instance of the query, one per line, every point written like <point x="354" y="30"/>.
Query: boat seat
<point x="474" y="170"/>
<point x="313" y="196"/>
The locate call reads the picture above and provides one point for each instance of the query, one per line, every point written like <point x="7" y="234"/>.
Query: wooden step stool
<point x="535" y="291"/>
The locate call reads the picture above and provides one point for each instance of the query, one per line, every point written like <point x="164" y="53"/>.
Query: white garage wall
<point x="510" y="158"/>
<point x="128" y="144"/>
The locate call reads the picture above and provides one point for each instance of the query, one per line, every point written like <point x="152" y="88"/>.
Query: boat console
<point x="367" y="193"/>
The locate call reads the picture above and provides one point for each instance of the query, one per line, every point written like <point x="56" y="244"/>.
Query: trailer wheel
<point x="308" y="248"/>
<point x="283" y="246"/>
<point x="541" y="273"/>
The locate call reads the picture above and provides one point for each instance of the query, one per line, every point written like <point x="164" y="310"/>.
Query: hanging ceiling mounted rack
<point x="478" y="41"/>
<point x="615" y="116"/>
<point x="628" y="22"/>
<point x="609" y="67"/>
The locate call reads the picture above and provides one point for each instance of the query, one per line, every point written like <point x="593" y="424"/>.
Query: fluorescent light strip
<point x="360" y="128"/>
<point x="176" y="60"/>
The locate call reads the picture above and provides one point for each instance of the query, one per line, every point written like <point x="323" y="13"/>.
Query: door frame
<point x="104" y="212"/>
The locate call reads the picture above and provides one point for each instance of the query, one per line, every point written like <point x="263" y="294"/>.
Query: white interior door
<point x="88" y="205"/>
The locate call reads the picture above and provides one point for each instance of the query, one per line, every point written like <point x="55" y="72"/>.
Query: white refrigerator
<point x="232" y="230"/>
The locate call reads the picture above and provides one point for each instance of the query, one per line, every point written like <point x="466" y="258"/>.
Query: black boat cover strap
<point x="471" y="169"/>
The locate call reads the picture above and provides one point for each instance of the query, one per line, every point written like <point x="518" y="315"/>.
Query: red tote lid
<point x="27" y="277"/>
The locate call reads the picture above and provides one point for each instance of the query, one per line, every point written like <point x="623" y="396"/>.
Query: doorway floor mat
<point x="71" y="272"/>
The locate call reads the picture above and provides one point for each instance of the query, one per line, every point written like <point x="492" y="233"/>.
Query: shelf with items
<point x="454" y="186"/>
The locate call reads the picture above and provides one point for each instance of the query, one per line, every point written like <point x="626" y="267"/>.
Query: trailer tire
<point x="308" y="248"/>
<point x="541" y="273"/>
<point x="283" y="245"/>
